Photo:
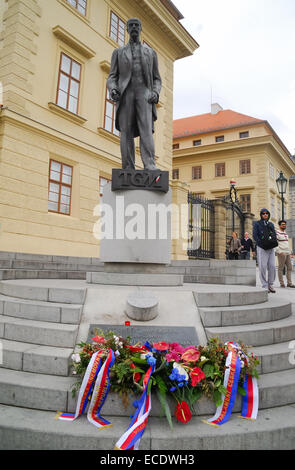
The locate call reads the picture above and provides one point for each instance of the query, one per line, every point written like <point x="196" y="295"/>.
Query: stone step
<point x="31" y="264"/>
<point x="215" y="278"/>
<point x="29" y="429"/>
<point x="273" y="309"/>
<point x="245" y="295"/>
<point x="37" y="332"/>
<point x="257" y="335"/>
<point x="274" y="357"/>
<point x="40" y="310"/>
<point x="39" y="292"/>
<point x="35" y="358"/>
<point x="9" y="274"/>
<point x="48" y="392"/>
<point x="31" y="257"/>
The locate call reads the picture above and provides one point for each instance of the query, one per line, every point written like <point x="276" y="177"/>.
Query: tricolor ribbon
<point x="131" y="438"/>
<point x="231" y="381"/>
<point x="96" y="378"/>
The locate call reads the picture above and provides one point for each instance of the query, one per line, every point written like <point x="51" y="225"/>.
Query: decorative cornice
<point x="72" y="41"/>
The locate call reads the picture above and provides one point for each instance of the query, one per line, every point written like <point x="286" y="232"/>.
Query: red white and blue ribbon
<point x="131" y="438"/>
<point x="231" y="381"/>
<point x="100" y="375"/>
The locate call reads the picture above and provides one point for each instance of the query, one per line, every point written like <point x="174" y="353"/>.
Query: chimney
<point x="215" y="108"/>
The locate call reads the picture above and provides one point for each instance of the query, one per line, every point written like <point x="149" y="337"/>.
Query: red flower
<point x="136" y="375"/>
<point x="135" y="348"/>
<point x="161" y="346"/>
<point x="196" y="376"/>
<point x="99" y="339"/>
<point x="182" y="412"/>
<point x="191" y="355"/>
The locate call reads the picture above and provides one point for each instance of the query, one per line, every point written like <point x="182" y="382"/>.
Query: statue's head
<point x="134" y="27"/>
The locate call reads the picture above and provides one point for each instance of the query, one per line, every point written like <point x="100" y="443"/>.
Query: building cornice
<point x="184" y="43"/>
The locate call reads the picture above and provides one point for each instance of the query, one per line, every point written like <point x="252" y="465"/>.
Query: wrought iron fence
<point x="200" y="227"/>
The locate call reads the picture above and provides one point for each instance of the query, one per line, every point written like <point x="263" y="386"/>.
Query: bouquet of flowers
<point x="184" y="373"/>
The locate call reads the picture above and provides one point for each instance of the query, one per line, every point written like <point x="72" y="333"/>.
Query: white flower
<point x="117" y="353"/>
<point x="180" y="369"/>
<point x="76" y="358"/>
<point x="203" y="358"/>
<point x="144" y="355"/>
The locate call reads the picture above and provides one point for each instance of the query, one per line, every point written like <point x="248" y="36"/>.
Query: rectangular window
<point x="80" y="5"/>
<point x="102" y="183"/>
<point x="60" y="187"/>
<point x="117" y="29"/>
<point x="245" y="202"/>
<point x="196" y="172"/>
<point x="243" y="135"/>
<point x="219" y="138"/>
<point x="197" y="142"/>
<point x="175" y="146"/>
<point x="110" y="115"/>
<point x="175" y="174"/>
<point x="68" y="84"/>
<point x="271" y="171"/>
<point x="219" y="169"/>
<point x="245" y="167"/>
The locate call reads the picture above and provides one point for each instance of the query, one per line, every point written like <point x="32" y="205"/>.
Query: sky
<point x="245" y="62"/>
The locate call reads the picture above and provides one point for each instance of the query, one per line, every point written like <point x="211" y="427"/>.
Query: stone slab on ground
<point x="185" y="336"/>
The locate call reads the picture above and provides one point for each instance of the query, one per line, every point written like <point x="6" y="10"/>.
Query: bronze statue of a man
<point x="134" y="83"/>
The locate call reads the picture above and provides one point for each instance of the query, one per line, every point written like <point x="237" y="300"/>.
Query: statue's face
<point x="134" y="28"/>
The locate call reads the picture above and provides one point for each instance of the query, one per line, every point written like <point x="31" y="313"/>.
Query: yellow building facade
<point x="212" y="149"/>
<point x="58" y="143"/>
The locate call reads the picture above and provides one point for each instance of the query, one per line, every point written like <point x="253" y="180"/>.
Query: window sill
<point x="66" y="114"/>
<point x="75" y="43"/>
<point x="75" y="11"/>
<point x="105" y="66"/>
<point x="109" y="135"/>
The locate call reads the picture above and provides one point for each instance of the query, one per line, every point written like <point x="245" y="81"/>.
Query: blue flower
<point x="172" y="389"/>
<point x="151" y="360"/>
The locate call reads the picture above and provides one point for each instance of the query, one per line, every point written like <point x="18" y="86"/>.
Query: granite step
<point x="48" y="392"/>
<point x="35" y="358"/>
<point x="216" y="297"/>
<point x="274" y="357"/>
<point x="20" y="289"/>
<point x="37" y="332"/>
<point x="40" y="310"/>
<point x="10" y="274"/>
<point x="271" y="310"/>
<point x="261" y="334"/>
<point x="29" y="429"/>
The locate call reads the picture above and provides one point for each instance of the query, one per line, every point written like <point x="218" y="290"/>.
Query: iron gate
<point x="200" y="227"/>
<point x="235" y="220"/>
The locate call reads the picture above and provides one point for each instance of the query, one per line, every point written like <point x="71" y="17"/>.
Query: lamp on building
<point x="282" y="187"/>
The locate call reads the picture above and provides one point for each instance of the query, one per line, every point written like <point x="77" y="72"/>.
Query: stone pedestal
<point x="136" y="226"/>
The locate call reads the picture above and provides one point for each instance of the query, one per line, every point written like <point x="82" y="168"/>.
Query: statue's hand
<point x="115" y="95"/>
<point x="154" y="98"/>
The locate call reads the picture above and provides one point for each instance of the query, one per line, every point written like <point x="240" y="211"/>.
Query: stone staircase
<point x="39" y="324"/>
<point x="34" y="266"/>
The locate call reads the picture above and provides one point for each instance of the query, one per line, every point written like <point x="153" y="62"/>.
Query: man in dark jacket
<point x="264" y="235"/>
<point x="246" y="246"/>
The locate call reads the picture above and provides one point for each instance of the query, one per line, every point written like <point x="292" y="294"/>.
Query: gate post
<point x="248" y="223"/>
<point x="179" y="226"/>
<point x="220" y="228"/>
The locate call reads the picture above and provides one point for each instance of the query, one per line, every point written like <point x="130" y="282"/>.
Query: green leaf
<point x="165" y="406"/>
<point x="217" y="397"/>
<point x="241" y="391"/>
<point x="222" y="389"/>
<point x="208" y="370"/>
<point x="160" y="384"/>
